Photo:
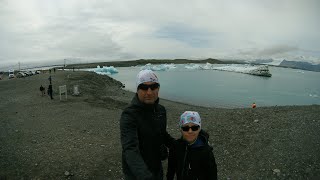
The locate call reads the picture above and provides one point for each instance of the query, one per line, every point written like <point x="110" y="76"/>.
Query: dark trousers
<point x="158" y="176"/>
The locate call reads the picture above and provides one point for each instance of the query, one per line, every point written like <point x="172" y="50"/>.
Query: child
<point x="191" y="157"/>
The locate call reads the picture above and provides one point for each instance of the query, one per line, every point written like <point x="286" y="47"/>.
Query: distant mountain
<point x="300" y="65"/>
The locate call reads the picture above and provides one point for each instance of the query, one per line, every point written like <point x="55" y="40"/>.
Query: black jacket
<point x="143" y="131"/>
<point x="192" y="162"/>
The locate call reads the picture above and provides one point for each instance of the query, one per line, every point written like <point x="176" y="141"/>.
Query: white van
<point x="11" y="74"/>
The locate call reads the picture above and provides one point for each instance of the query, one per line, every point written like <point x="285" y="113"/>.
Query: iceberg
<point x="207" y="66"/>
<point x="105" y="70"/>
<point x="193" y="66"/>
<point x="261" y="70"/>
<point x="313" y="95"/>
<point x="258" y="70"/>
<point x="161" y="67"/>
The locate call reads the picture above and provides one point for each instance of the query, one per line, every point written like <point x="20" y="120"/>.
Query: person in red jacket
<point x="191" y="156"/>
<point x="254" y="105"/>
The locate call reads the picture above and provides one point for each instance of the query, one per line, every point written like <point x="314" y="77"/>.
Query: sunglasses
<point x="193" y="128"/>
<point x="145" y="87"/>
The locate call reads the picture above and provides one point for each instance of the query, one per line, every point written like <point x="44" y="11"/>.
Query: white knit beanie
<point x="146" y="76"/>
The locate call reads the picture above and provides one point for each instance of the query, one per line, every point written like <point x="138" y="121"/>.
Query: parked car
<point x="21" y="75"/>
<point x="28" y="73"/>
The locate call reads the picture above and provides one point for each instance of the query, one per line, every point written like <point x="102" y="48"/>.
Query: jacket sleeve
<point x="168" y="139"/>
<point x="171" y="164"/>
<point x="212" y="166"/>
<point x="130" y="147"/>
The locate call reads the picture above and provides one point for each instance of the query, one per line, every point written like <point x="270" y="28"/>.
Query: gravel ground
<point x="78" y="138"/>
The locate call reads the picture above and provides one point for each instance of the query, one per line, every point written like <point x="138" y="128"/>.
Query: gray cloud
<point x="270" y="51"/>
<point x="182" y="32"/>
<point x="110" y="30"/>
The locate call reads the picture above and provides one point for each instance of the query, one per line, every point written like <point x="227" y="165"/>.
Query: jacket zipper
<point x="184" y="161"/>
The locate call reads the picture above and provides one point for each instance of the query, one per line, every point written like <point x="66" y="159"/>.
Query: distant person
<point x="50" y="91"/>
<point x="50" y="71"/>
<point x="50" y="79"/>
<point x="42" y="89"/>
<point x="54" y="70"/>
<point x="254" y="105"/>
<point x="144" y="137"/>
<point x="191" y="157"/>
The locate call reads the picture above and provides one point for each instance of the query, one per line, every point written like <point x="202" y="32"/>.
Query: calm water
<point x="231" y="90"/>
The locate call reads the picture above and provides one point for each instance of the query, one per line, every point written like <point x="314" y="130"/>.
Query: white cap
<point x="146" y="76"/>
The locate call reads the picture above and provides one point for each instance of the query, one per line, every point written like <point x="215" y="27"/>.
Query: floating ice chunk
<point x="258" y="70"/>
<point x="161" y="67"/>
<point x="193" y="66"/>
<point x="207" y="66"/>
<point x="105" y="70"/>
<point x="313" y="95"/>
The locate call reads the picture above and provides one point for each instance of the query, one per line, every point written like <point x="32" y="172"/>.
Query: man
<point x="50" y="91"/>
<point x="143" y="131"/>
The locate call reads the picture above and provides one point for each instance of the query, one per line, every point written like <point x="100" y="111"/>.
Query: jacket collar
<point x="203" y="137"/>
<point x="136" y="102"/>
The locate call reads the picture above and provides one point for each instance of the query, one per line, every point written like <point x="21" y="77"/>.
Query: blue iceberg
<point x="105" y="70"/>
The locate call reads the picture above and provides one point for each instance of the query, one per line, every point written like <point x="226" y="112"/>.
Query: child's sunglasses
<point x="193" y="128"/>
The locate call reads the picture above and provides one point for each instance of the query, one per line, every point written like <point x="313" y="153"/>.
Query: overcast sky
<point x="133" y="29"/>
